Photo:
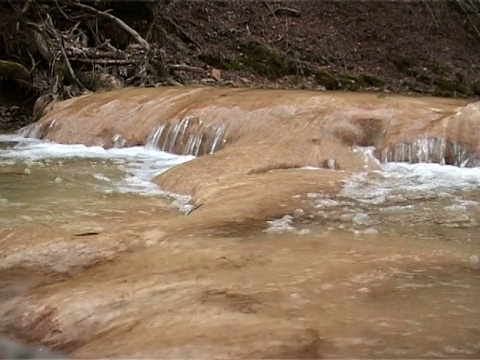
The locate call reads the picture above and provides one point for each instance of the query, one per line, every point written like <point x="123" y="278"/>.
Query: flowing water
<point x="388" y="268"/>
<point x="44" y="181"/>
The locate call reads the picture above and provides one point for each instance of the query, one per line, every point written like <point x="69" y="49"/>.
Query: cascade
<point x="430" y="150"/>
<point x="218" y="137"/>
<point x="118" y="141"/>
<point x="187" y="136"/>
<point x="33" y="131"/>
<point x="153" y="138"/>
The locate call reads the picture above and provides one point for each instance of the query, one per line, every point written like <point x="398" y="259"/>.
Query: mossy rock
<point x="10" y="70"/>
<point x="442" y="69"/>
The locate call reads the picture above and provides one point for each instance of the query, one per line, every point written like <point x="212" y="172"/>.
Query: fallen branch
<point x="107" y="61"/>
<point x="287" y="10"/>
<point x="118" y="21"/>
<point x="61" y="11"/>
<point x="173" y="82"/>
<point x="186" y="68"/>
<point x="92" y="53"/>
<point x="182" y="32"/>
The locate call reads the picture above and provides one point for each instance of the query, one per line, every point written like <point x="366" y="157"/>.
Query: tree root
<point x="118" y="21"/>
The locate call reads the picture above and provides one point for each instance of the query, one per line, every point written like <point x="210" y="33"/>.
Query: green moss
<point x="214" y="61"/>
<point x="442" y="69"/>
<point x="265" y="62"/>
<point x="460" y="77"/>
<point x="444" y="84"/>
<point x="260" y="59"/>
<point x="371" y="80"/>
<point x="324" y="78"/>
<point x="343" y="81"/>
<point x="452" y="87"/>
<point x="350" y="82"/>
<point x="12" y="70"/>
<point x="475" y="87"/>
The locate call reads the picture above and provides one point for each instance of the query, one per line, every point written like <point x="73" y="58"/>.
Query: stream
<point x="388" y="268"/>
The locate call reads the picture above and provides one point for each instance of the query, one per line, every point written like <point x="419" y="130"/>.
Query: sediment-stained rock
<point x="170" y="287"/>
<point x="258" y="131"/>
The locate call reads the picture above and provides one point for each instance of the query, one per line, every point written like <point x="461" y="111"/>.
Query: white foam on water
<point x="284" y="225"/>
<point x="140" y="165"/>
<point x="412" y="181"/>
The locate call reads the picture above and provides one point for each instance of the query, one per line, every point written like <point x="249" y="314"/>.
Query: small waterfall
<point x="37" y="131"/>
<point x="118" y="141"/>
<point x="187" y="136"/>
<point x="217" y="137"/>
<point x="193" y="145"/>
<point x="32" y="131"/>
<point x="153" y="138"/>
<point x="430" y="150"/>
<point x="463" y="158"/>
<point x="172" y="137"/>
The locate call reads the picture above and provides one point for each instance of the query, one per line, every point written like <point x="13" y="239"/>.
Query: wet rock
<point x="474" y="261"/>
<point x="216" y="74"/>
<point x="361" y="219"/>
<point x="368" y="231"/>
<point x="10" y="349"/>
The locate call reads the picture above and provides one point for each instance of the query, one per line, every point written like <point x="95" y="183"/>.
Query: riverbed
<point x="96" y="261"/>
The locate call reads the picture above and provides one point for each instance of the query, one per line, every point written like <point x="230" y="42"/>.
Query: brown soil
<point x="424" y="47"/>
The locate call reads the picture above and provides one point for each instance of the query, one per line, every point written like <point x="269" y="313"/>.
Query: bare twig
<point x="64" y="54"/>
<point x="118" y="21"/>
<point x="107" y="61"/>
<point x="432" y="13"/>
<point x="149" y="31"/>
<point x="287" y="10"/>
<point x="182" y="32"/>
<point x="185" y="68"/>
<point x="34" y="63"/>
<point x="75" y="27"/>
<point x="61" y="11"/>
<point x="271" y="10"/>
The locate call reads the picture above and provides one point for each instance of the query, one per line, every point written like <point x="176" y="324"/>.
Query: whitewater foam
<point x="410" y="181"/>
<point x="139" y="165"/>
